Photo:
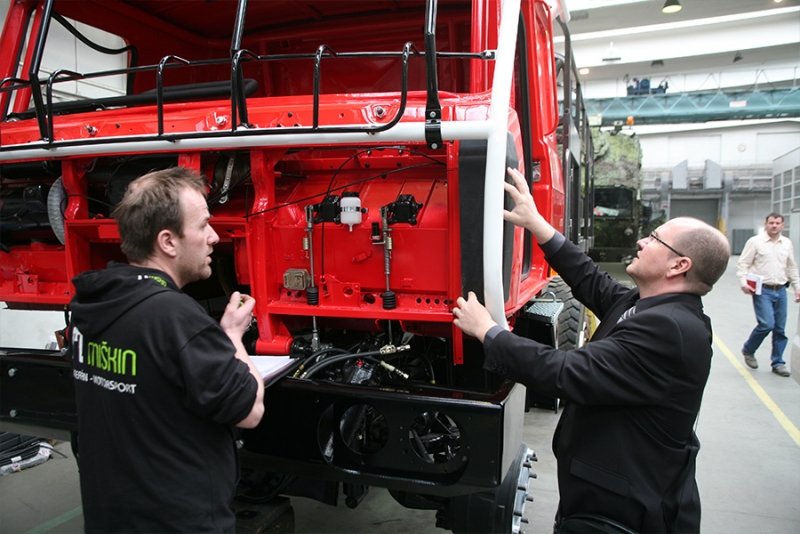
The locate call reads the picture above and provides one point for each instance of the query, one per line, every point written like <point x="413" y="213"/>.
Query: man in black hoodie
<point x="160" y="384"/>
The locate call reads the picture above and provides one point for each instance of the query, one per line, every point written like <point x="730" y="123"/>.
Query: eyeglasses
<point x="653" y="235"/>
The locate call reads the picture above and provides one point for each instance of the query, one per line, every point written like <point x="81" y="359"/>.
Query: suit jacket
<point x="625" y="443"/>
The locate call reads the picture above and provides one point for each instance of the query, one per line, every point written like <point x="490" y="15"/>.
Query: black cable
<point x="382" y="174"/>
<point x="407" y="360"/>
<point x="315" y="356"/>
<point x="328" y="192"/>
<point x="53" y="450"/>
<point x="339" y="358"/>
<point x="320" y="353"/>
<point x="27" y="448"/>
<point x="242" y="179"/>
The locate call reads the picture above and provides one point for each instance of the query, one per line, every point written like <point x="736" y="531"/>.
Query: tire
<point x="56" y="203"/>
<point x="500" y="510"/>
<point x="572" y="322"/>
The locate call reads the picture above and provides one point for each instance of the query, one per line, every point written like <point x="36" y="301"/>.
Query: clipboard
<point x="273" y="368"/>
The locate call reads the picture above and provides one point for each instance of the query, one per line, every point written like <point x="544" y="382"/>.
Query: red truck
<point x="355" y="154"/>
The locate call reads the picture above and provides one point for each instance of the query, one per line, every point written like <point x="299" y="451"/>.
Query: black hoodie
<point x="158" y="390"/>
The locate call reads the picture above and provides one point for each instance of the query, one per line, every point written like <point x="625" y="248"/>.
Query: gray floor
<point x="748" y="470"/>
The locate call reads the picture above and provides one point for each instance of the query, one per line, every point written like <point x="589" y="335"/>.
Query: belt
<point x="774" y="287"/>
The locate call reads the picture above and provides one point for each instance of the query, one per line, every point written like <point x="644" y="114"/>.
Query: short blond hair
<point x="151" y="204"/>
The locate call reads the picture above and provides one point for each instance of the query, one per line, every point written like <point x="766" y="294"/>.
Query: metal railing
<point x="44" y="109"/>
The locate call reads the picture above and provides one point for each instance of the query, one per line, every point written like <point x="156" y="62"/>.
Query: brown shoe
<point x="781" y="370"/>
<point x="750" y="360"/>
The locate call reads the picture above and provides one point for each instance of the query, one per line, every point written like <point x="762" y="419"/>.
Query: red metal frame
<point x="263" y="230"/>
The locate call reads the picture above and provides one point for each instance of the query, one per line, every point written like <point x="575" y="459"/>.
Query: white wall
<point x="749" y="213"/>
<point x="735" y="145"/>
<point x="63" y="50"/>
<point x="699" y="81"/>
<point x="729" y="143"/>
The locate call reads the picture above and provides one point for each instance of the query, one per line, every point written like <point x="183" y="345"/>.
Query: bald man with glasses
<point x="625" y="443"/>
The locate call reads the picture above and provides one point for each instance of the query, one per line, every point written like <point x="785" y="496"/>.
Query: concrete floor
<point x="748" y="468"/>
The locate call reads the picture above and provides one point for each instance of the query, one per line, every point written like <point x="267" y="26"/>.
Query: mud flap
<point x="37" y="395"/>
<point x="539" y="321"/>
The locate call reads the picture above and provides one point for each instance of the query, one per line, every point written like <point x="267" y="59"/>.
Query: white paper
<point x="272" y="366"/>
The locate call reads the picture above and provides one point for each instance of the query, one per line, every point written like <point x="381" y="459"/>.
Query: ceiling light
<point x="671" y="6"/>
<point x="611" y="54"/>
<point x="657" y="63"/>
<point x="584" y="71"/>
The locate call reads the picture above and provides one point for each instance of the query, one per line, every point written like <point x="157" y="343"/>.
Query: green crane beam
<point x="664" y="108"/>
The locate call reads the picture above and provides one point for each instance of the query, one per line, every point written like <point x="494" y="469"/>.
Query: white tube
<point x="561" y="9"/>
<point x="495" y="164"/>
<point x="402" y="132"/>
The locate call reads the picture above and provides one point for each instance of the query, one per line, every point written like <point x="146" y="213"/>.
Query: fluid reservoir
<point x="351" y="209"/>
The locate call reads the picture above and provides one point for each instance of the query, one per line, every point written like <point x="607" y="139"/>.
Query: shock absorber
<point x="388" y="296"/>
<point x="312" y="292"/>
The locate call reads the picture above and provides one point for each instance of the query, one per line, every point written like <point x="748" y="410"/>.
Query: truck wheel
<point x="56" y="204"/>
<point x="572" y="322"/>
<point x="500" y="510"/>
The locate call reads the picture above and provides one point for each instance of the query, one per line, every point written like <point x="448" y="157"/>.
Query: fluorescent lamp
<point x="671" y="6"/>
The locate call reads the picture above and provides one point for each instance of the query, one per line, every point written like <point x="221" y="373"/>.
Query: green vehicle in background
<point x="620" y="216"/>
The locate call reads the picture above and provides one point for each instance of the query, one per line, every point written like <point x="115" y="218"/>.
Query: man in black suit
<point x="625" y="443"/>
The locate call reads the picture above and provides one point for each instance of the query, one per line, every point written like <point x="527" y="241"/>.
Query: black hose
<point x="315" y="356"/>
<point x="339" y="358"/>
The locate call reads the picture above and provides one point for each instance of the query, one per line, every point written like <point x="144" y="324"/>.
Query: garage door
<point x="705" y="209"/>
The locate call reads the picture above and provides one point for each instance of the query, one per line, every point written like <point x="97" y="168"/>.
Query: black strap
<point x="678" y="504"/>
<point x="590" y="524"/>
